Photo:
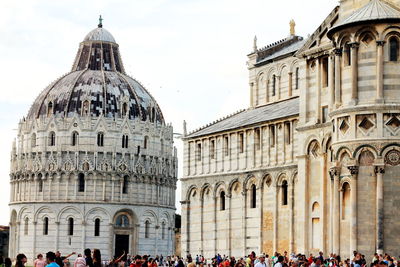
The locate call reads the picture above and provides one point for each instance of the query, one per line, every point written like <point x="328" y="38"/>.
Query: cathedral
<point x="94" y="164"/>
<point x="313" y="164"/>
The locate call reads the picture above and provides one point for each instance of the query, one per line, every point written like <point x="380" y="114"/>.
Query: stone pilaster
<point x="379" y="71"/>
<point x="353" y="199"/>
<point x="335" y="215"/>
<point x="338" y="85"/>
<point x="354" y="73"/>
<point x="379" y="171"/>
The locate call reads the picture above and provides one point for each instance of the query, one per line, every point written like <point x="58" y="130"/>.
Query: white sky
<point x="190" y="54"/>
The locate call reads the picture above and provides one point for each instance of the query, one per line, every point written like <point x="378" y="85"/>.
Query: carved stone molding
<point x="353" y="169"/>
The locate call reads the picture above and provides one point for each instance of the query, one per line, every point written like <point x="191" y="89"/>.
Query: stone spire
<point x="255" y="43"/>
<point x="184" y="128"/>
<point x="292" y="28"/>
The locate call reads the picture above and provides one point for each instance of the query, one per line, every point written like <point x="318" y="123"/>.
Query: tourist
<point x="261" y="262"/>
<point x="51" y="259"/>
<point x="96" y="258"/>
<point x="80" y="262"/>
<point x="61" y="260"/>
<point x="7" y="262"/>
<point x="39" y="262"/>
<point x="88" y="257"/>
<point x="21" y="260"/>
<point x="279" y="261"/>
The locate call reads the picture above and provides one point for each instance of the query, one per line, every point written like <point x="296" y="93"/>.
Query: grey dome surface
<point x="97" y="86"/>
<point x="374" y="10"/>
<point x="99" y="34"/>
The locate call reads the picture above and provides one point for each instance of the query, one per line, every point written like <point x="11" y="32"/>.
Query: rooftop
<point x="249" y="117"/>
<point x="374" y="10"/>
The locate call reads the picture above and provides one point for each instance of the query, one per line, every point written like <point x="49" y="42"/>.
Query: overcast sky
<point x="190" y="54"/>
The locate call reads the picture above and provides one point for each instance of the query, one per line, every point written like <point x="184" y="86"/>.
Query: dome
<point x="99" y="34"/>
<point x="374" y="10"/>
<point x="97" y="86"/>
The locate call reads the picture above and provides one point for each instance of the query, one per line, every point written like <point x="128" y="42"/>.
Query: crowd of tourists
<point x="294" y="260"/>
<point x="93" y="259"/>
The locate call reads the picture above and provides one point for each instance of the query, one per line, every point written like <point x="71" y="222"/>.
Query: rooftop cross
<point x="100" y="25"/>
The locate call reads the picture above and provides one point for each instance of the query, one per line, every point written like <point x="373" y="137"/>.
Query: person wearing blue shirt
<point x="51" y="258"/>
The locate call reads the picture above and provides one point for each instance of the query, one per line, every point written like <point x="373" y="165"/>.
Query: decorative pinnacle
<point x="255" y="43"/>
<point x="100" y="25"/>
<point x="292" y="27"/>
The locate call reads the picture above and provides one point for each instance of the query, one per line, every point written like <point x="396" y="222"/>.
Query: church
<point x="313" y="164"/>
<point x="94" y="164"/>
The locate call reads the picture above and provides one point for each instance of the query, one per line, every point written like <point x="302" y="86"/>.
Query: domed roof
<point x="99" y="34"/>
<point x="97" y="86"/>
<point x="374" y="10"/>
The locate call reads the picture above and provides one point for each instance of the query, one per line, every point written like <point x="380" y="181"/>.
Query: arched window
<point x="100" y="139"/>
<point x="52" y="139"/>
<point x="146" y="142"/>
<point x="393" y="49"/>
<point x="284" y="193"/>
<point x="125" y="141"/>
<point x="49" y="109"/>
<point x="153" y="114"/>
<point x="347" y="54"/>
<point x="81" y="182"/>
<point x="253" y="198"/>
<point x="40" y="185"/>
<point x="163" y="230"/>
<point x="346" y="201"/>
<point x="45" y="226"/>
<point x="124" y="109"/>
<point x="273" y="84"/>
<point x="33" y="140"/>
<point x="147" y="229"/>
<point x="97" y="227"/>
<point x="297" y="78"/>
<point x="26" y="226"/>
<point x="125" y="185"/>
<point x="71" y="226"/>
<point x="222" y="200"/>
<point x="85" y="108"/>
<point x="74" y="140"/>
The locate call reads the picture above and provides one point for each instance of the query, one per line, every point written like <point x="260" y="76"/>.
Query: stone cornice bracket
<point x="354" y="45"/>
<point x="380" y="43"/>
<point x="183" y="202"/>
<point x="334" y="172"/>
<point x="379" y="169"/>
<point x="337" y="51"/>
<point x="353" y="169"/>
<point x="228" y="195"/>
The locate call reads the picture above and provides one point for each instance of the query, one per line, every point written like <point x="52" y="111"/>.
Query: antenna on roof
<point x="100" y="25"/>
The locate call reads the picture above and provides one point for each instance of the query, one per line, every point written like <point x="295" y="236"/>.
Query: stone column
<point x="244" y="214"/>
<point x="338" y="54"/>
<point x="331" y="75"/>
<point x="278" y="86"/>
<point x="379" y="170"/>
<point x="228" y="200"/>
<point x="185" y="206"/>
<point x="290" y="89"/>
<point x="215" y="225"/>
<point x="201" y="224"/>
<point x="57" y="235"/>
<point x="34" y="239"/>
<point x="335" y="215"/>
<point x="291" y="216"/>
<point x="251" y="94"/>
<point x="83" y="235"/>
<point x="354" y="73"/>
<point x="318" y="93"/>
<point x="267" y="91"/>
<point x="353" y="198"/>
<point x="379" y="72"/>
<point x="275" y="217"/>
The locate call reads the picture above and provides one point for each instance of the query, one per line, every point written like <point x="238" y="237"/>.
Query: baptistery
<point x="94" y="164"/>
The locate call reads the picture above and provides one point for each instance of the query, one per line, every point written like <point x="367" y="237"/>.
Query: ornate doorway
<point x="125" y="233"/>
